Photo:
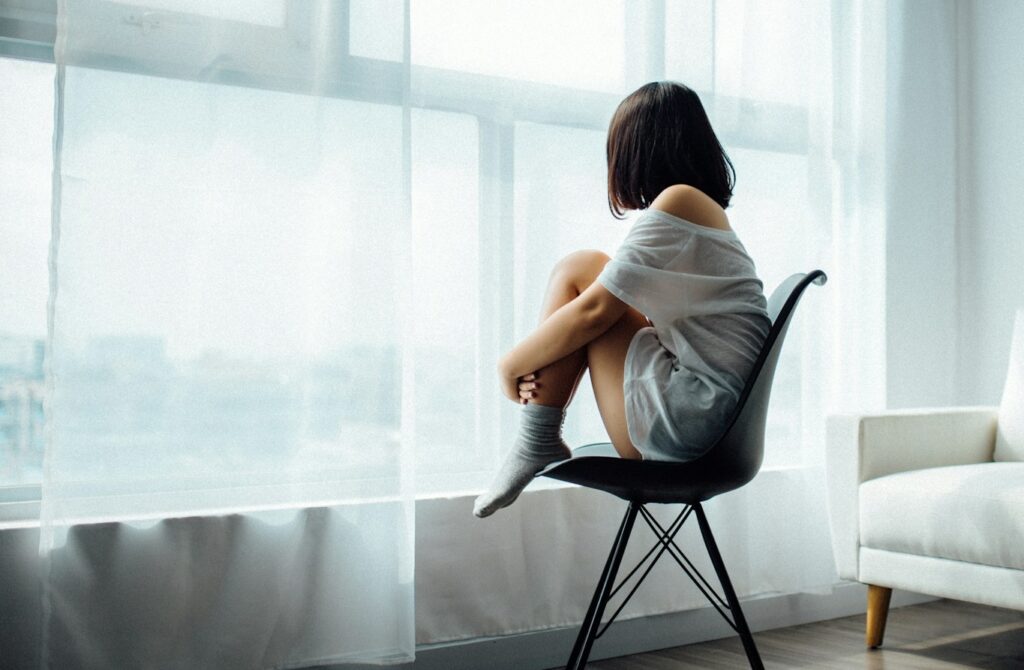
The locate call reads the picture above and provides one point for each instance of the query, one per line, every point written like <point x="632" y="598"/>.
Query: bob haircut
<point x="660" y="136"/>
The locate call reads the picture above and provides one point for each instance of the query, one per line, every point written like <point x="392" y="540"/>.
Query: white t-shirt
<point x="700" y="290"/>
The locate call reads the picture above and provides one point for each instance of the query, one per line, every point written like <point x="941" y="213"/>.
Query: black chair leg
<point x="730" y="595"/>
<point x="592" y="622"/>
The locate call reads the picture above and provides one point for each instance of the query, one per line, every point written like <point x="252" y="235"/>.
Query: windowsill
<point x="26" y="513"/>
<point x="19" y="506"/>
<point x="19" y="525"/>
<point x="12" y="520"/>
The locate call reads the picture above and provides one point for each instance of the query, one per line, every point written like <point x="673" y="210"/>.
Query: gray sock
<point x="539" y="443"/>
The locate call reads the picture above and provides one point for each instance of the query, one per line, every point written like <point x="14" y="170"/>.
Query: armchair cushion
<point x="972" y="513"/>
<point x="1010" y="433"/>
<point x="862" y="447"/>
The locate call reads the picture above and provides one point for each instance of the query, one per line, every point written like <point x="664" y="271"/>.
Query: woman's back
<point x="699" y="287"/>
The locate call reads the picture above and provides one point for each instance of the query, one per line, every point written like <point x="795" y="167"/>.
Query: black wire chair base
<point x="727" y="606"/>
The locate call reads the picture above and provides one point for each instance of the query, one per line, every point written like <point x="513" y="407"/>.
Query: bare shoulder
<point x="692" y="204"/>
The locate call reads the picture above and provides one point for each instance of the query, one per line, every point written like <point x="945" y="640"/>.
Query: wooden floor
<point x="939" y="635"/>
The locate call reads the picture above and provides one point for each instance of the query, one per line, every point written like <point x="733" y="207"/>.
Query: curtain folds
<point x="228" y="481"/>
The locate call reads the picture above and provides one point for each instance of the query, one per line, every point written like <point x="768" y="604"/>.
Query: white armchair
<point x="916" y="502"/>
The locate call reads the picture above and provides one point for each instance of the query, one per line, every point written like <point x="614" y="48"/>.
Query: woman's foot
<point x="539" y="444"/>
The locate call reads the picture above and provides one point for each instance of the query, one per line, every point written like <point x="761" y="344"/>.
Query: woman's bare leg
<point x="605" y="356"/>
<point x="540" y="430"/>
<point x="570" y="277"/>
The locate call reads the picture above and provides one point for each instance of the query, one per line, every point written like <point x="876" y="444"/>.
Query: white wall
<point x="954" y="198"/>
<point x="921" y="214"/>
<point x="992" y="212"/>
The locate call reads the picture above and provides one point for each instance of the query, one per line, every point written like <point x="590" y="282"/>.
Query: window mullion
<point x="496" y="299"/>
<point x="644" y="34"/>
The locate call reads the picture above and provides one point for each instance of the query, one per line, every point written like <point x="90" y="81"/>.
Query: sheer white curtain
<point x="228" y="480"/>
<point x="291" y="240"/>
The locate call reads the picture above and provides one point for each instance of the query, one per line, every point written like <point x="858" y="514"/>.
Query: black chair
<point x="733" y="461"/>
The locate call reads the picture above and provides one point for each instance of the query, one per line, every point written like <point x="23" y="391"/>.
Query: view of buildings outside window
<point x="26" y="127"/>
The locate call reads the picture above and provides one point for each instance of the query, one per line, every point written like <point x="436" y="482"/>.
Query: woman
<point x="669" y="328"/>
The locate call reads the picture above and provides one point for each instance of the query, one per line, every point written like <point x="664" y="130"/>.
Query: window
<point x="507" y="176"/>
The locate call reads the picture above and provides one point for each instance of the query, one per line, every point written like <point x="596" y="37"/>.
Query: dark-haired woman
<point x="669" y="327"/>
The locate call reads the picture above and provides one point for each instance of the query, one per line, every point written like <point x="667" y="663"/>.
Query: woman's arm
<point x="568" y="329"/>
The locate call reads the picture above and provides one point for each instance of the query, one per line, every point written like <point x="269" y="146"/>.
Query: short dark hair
<point x="660" y="136"/>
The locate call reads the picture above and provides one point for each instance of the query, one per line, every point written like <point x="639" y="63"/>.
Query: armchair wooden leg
<point x="878" y="610"/>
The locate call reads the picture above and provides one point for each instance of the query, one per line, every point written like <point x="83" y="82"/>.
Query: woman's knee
<point x="618" y="337"/>
<point x="581" y="267"/>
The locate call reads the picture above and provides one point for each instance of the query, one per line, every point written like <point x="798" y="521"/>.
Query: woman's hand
<point x="527" y="385"/>
<point x="519" y="389"/>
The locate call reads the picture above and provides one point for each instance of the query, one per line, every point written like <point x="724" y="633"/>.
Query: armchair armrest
<point x="860" y="447"/>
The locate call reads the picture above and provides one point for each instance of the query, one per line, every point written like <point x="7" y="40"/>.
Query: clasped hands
<point x="520" y="389"/>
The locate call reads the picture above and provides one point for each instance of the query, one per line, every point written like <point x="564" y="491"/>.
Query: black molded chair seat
<point x="598" y="466"/>
<point x="732" y="461"/>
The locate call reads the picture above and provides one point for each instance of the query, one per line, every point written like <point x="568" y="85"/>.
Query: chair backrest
<point x="739" y="452"/>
